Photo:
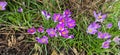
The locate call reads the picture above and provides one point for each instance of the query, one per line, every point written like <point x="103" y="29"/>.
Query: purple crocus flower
<point x="116" y="40"/>
<point x="109" y="25"/>
<point x="66" y="13"/>
<point x="60" y="26"/>
<point x="57" y="17"/>
<point x="31" y="30"/>
<point x="64" y="33"/>
<point x="119" y="25"/>
<point x="92" y="28"/>
<point x="40" y="29"/>
<point x="100" y="35"/>
<point x="43" y="40"/>
<point x="20" y="10"/>
<point x="99" y="17"/>
<point x="62" y="20"/>
<point x="71" y="24"/>
<point x="51" y="32"/>
<point x="3" y="5"/>
<point x="106" y="44"/>
<point x="107" y="35"/>
<point x="45" y="14"/>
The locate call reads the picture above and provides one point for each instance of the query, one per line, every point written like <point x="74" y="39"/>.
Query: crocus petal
<point x="99" y="14"/>
<point x="104" y="16"/>
<point x="69" y="19"/>
<point x="48" y="16"/>
<point x="95" y="15"/>
<point x="44" y="13"/>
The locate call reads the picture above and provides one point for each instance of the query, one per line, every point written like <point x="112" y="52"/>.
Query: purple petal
<point x="99" y="14"/>
<point x="104" y="16"/>
<point x="44" y="13"/>
<point x="48" y="16"/>
<point x="95" y="15"/>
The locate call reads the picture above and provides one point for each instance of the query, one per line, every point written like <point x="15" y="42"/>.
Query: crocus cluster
<point x="103" y="35"/>
<point x="64" y="23"/>
<point x="33" y="30"/>
<point x="93" y="29"/>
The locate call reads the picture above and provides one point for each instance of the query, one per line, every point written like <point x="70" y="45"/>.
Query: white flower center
<point x="90" y="30"/>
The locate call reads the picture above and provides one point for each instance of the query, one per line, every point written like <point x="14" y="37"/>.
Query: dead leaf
<point x="75" y="51"/>
<point x="37" y="47"/>
<point x="20" y="38"/>
<point x="11" y="41"/>
<point x="54" y="52"/>
<point x="35" y="54"/>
